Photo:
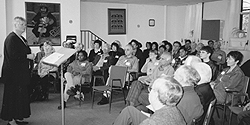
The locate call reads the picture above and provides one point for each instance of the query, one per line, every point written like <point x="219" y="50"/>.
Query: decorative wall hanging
<point x="116" y="21"/>
<point x="43" y="23"/>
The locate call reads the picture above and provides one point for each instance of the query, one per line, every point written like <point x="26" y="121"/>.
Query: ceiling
<point x="152" y="2"/>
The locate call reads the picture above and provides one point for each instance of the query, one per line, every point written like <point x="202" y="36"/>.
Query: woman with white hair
<point x="192" y="59"/>
<point x="203" y="88"/>
<point x="190" y="105"/>
<point x="164" y="94"/>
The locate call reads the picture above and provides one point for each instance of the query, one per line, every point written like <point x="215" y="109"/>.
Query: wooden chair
<point x="116" y="82"/>
<point x="244" y="97"/>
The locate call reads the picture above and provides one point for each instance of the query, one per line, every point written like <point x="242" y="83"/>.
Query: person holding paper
<point x="16" y="73"/>
<point x="164" y="95"/>
<point x="78" y="72"/>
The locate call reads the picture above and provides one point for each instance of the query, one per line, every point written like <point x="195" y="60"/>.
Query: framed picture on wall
<point x="116" y="21"/>
<point x="43" y="23"/>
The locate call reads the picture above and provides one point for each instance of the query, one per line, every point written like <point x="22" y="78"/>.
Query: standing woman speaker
<point x="16" y="75"/>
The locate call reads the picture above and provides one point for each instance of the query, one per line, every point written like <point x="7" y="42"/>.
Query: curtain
<point x="193" y="20"/>
<point x="231" y="20"/>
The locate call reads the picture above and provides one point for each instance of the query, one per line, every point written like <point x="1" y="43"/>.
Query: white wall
<point x="175" y="23"/>
<point x="3" y="30"/>
<point x="94" y="17"/>
<point x="69" y="11"/>
<point x="217" y="11"/>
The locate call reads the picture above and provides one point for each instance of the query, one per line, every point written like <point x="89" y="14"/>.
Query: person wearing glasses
<point x="142" y="83"/>
<point x="166" y="92"/>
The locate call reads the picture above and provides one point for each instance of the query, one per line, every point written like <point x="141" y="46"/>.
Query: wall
<point x="175" y="23"/>
<point x="217" y="11"/>
<point x="3" y="31"/>
<point x="94" y="17"/>
<point x="69" y="11"/>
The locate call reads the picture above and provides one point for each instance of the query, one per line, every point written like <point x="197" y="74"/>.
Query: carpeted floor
<point x="46" y="112"/>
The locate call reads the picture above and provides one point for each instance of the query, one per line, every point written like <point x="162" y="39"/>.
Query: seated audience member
<point x="230" y="78"/>
<point x="127" y="60"/>
<point x="243" y="118"/>
<point x="39" y="56"/>
<point x="79" y="46"/>
<point x="96" y="51"/>
<point x="163" y="97"/>
<point x="210" y="43"/>
<point x="145" y="52"/>
<point x="138" y="52"/>
<point x="115" y="53"/>
<point x="169" y="47"/>
<point x="218" y="56"/>
<point x="44" y="69"/>
<point x="205" y="54"/>
<point x="188" y="45"/>
<point x="143" y="82"/>
<point x="162" y="49"/>
<point x="177" y="62"/>
<point x="193" y="50"/>
<point x="151" y="63"/>
<point x="176" y="47"/>
<point x="203" y="88"/>
<point x="198" y="48"/>
<point x="78" y="72"/>
<point x="190" y="105"/>
<point x="120" y="49"/>
<point x="191" y="59"/>
<point x="154" y="46"/>
<point x="102" y="63"/>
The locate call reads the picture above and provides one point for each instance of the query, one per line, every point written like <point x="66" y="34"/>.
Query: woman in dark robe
<point x="16" y="73"/>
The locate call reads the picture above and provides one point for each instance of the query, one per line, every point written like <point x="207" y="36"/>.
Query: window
<point x="245" y="10"/>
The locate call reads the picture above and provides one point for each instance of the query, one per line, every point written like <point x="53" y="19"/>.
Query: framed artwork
<point x="43" y="23"/>
<point x="151" y="22"/>
<point x="116" y="21"/>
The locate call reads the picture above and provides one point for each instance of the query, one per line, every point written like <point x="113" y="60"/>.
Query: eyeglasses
<point x="149" y="88"/>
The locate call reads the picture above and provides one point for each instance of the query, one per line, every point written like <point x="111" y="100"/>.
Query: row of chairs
<point x="234" y="108"/>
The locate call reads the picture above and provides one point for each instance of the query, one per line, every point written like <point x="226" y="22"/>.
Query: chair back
<point x="246" y="83"/>
<point x="209" y="112"/>
<point x="117" y="72"/>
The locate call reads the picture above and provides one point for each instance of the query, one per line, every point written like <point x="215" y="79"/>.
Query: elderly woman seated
<point x="203" y="89"/>
<point x="163" y="67"/>
<point x="165" y="93"/>
<point x="44" y="69"/>
<point x="230" y="78"/>
<point x="190" y="104"/>
<point x="78" y="72"/>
